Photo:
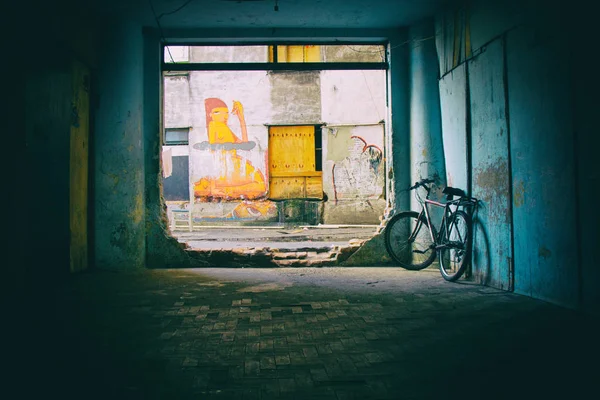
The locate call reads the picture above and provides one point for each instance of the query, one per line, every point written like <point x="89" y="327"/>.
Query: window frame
<point x="178" y="143"/>
<point x="275" y="65"/>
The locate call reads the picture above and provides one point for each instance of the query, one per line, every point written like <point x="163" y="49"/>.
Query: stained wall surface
<point x="518" y="81"/>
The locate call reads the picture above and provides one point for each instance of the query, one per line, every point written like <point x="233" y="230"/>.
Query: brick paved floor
<point x="331" y="333"/>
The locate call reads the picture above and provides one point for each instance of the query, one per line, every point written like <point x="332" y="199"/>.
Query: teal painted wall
<point x="587" y="142"/>
<point x="490" y="168"/>
<point x="426" y="143"/>
<point x="119" y="175"/>
<point x="529" y="131"/>
<point x="398" y="140"/>
<point x="542" y="151"/>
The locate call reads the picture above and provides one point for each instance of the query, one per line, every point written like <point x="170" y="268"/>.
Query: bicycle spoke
<point x="408" y="241"/>
<point x="454" y="254"/>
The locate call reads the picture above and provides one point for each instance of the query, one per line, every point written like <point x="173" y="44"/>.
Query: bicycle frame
<point x="445" y="228"/>
<point x="451" y="243"/>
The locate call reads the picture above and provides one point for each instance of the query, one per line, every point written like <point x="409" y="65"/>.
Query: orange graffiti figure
<point x="238" y="178"/>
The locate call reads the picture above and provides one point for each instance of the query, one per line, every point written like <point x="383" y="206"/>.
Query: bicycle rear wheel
<point x="455" y="255"/>
<point x="408" y="241"/>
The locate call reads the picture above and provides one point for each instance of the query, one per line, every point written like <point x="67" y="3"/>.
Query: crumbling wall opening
<point x="217" y="152"/>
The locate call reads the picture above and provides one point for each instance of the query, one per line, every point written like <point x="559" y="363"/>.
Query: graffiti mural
<point x="353" y="174"/>
<point x="234" y="177"/>
<point x="360" y="174"/>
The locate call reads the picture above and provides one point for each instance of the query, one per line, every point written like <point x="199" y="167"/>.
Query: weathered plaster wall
<point x="353" y="97"/>
<point x="353" y="174"/>
<point x="491" y="168"/>
<point x="522" y="139"/>
<point x="295" y="97"/>
<point x="119" y="156"/>
<point x="177" y="94"/>
<point x="542" y="150"/>
<point x="161" y="249"/>
<point x="38" y="119"/>
<point x="426" y="144"/>
<point x="353" y="108"/>
<point x="398" y="140"/>
<point x="48" y="97"/>
<point x="587" y="141"/>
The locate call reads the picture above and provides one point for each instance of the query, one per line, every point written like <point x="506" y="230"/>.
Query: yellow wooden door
<point x="292" y="168"/>
<point x="296" y="53"/>
<point x="78" y="211"/>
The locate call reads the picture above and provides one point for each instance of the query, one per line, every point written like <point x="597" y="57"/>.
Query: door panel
<point x="492" y="252"/>
<point x="292" y="163"/>
<point x="78" y="191"/>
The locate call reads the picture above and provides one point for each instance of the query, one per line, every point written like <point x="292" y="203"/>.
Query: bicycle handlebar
<point x="422" y="182"/>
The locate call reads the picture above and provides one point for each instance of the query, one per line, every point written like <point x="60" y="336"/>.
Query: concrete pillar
<point x="119" y="203"/>
<point x="426" y="145"/>
<point x="398" y="139"/>
<point x="162" y="250"/>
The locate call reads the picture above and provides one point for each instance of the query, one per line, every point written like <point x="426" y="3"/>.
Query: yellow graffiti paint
<point x="237" y="178"/>
<point x="254" y="209"/>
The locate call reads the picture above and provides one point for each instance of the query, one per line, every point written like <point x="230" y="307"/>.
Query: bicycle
<point x="412" y="240"/>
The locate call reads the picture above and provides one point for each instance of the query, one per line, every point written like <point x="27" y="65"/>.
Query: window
<point x="275" y="57"/>
<point x="176" y="136"/>
<point x="178" y="54"/>
<point x="216" y="54"/>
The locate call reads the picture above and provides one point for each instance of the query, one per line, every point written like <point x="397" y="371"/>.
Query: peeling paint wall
<point x="426" y="143"/>
<point x="542" y="149"/>
<point x="353" y="97"/>
<point x="491" y="169"/>
<point x="520" y="155"/>
<point x="119" y="180"/>
<point x="295" y="97"/>
<point x="353" y="174"/>
<point x="398" y="140"/>
<point x="354" y="105"/>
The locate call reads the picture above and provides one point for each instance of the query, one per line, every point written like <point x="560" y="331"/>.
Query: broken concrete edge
<point x="182" y="256"/>
<point x="165" y="251"/>
<point x="370" y="253"/>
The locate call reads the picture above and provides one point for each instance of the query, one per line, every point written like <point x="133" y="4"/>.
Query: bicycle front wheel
<point x="408" y="241"/>
<point x="456" y="246"/>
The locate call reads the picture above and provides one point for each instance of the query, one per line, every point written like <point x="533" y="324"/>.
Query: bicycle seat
<point x="450" y="191"/>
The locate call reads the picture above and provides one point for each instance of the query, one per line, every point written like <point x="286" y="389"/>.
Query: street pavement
<point x="283" y="238"/>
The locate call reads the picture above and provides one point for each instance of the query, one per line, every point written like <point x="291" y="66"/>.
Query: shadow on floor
<point x="337" y="333"/>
